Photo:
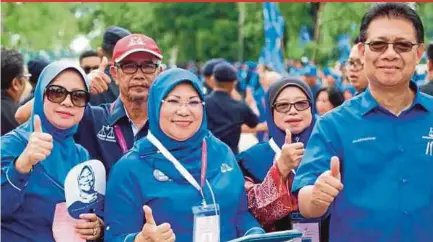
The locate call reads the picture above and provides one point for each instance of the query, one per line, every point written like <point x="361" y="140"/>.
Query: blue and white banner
<point x="271" y="54"/>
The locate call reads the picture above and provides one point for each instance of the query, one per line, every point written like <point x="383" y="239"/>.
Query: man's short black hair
<point x="395" y="11"/>
<point x="430" y="52"/>
<point x="88" y="53"/>
<point x="12" y="66"/>
<point x="35" y="67"/>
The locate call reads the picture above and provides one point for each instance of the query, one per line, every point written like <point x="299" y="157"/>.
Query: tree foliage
<point x="195" y="31"/>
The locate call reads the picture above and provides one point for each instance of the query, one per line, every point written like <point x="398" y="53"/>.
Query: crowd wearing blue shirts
<point x="346" y="150"/>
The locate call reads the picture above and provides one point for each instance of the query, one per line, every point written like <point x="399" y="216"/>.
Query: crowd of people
<point x="346" y="153"/>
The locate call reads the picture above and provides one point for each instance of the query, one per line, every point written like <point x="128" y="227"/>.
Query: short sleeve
<point x="323" y="144"/>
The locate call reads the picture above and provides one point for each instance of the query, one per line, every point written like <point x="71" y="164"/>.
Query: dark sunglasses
<point x="57" y="94"/>
<point x="132" y="67"/>
<point x="382" y="46"/>
<point x="88" y="69"/>
<point x="284" y="107"/>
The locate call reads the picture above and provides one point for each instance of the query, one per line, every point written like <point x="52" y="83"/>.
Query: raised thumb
<point x="288" y="138"/>
<point x="335" y="167"/>
<point x="148" y="215"/>
<point x="103" y="64"/>
<point x="37" y="126"/>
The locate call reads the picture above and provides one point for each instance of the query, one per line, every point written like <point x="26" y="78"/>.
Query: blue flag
<point x="271" y="53"/>
<point x="305" y="36"/>
<point x="344" y="47"/>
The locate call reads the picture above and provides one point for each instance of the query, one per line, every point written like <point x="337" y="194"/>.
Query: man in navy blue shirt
<point x="109" y="130"/>
<point x="381" y="143"/>
<point x="226" y="115"/>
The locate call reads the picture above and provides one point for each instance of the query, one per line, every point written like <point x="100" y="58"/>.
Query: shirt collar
<point x="424" y="100"/>
<point x="368" y="102"/>
<point x="6" y="96"/>
<point x="117" y="111"/>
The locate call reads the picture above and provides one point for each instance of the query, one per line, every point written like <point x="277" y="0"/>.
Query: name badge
<point x="310" y="229"/>
<point x="206" y="223"/>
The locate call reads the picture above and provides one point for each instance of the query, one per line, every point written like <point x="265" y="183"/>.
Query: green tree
<point x="38" y="26"/>
<point x="191" y="31"/>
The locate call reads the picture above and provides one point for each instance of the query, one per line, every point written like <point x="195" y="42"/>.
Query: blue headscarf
<point x="65" y="153"/>
<point x="274" y="90"/>
<point x="187" y="152"/>
<point x="257" y="160"/>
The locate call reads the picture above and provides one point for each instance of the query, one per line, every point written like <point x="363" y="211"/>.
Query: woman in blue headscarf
<point x="37" y="156"/>
<point x="189" y="178"/>
<point x="269" y="167"/>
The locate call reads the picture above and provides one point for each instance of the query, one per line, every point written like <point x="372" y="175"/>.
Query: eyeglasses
<point x="284" y="107"/>
<point x="26" y="76"/>
<point x="132" y="67"/>
<point x="57" y="94"/>
<point x="176" y="104"/>
<point x="88" y="69"/>
<point x="355" y="64"/>
<point x="382" y="46"/>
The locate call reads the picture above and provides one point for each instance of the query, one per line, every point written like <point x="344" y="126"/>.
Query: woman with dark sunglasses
<point x="37" y="156"/>
<point x="269" y="167"/>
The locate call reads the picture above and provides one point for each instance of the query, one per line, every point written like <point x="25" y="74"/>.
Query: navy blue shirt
<point x="386" y="167"/>
<point x="96" y="132"/>
<point x="226" y="116"/>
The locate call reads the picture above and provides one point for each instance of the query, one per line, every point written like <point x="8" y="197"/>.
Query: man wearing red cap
<point x="135" y="64"/>
<point x="109" y="130"/>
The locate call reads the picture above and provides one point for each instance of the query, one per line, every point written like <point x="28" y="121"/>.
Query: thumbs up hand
<point x="291" y="155"/>
<point x="98" y="79"/>
<point x="328" y="185"/>
<point x="38" y="148"/>
<point x="151" y="232"/>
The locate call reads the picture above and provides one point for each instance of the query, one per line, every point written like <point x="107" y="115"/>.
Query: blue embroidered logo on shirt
<point x="363" y="140"/>
<point x="429" y="138"/>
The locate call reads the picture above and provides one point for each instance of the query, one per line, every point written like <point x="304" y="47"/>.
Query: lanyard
<point x="277" y="150"/>
<point x="182" y="170"/>
<point x="274" y="146"/>
<point x="119" y="135"/>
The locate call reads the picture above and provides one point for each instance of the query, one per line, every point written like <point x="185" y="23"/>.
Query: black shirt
<point x="9" y="108"/>
<point x="225" y="117"/>
<point x="427" y="88"/>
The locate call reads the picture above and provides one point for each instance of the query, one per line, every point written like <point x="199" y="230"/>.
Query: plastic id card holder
<point x="287" y="235"/>
<point x="206" y="223"/>
<point x="308" y="227"/>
